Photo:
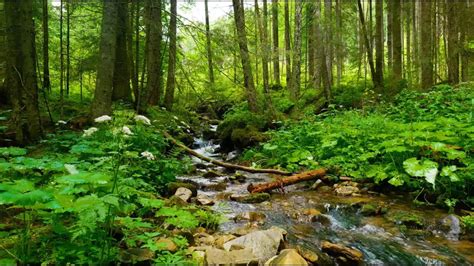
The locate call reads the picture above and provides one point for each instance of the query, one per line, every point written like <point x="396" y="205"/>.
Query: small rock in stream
<point x="250" y="216"/>
<point x="287" y="257"/>
<point x="183" y="193"/>
<point x="338" y="250"/>
<point x="307" y="254"/>
<point x="251" y="198"/>
<point x="212" y="174"/>
<point x="346" y="190"/>
<point x="173" y="186"/>
<point x="204" y="200"/>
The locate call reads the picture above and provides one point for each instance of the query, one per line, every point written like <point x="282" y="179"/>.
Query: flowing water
<point x="383" y="241"/>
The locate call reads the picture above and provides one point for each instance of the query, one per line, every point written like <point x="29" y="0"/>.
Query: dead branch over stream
<point x="286" y="181"/>
<point x="223" y="164"/>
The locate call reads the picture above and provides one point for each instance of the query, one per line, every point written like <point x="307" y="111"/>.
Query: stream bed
<point x="311" y="216"/>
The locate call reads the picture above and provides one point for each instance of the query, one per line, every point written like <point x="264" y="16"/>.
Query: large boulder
<point x="216" y="256"/>
<point x="264" y="244"/>
<point x="287" y="257"/>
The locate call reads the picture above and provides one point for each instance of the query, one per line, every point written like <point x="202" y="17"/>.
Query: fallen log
<point x="351" y="254"/>
<point x="286" y="181"/>
<point x="223" y="164"/>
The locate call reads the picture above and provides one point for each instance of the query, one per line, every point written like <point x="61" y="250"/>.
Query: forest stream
<point x="311" y="216"/>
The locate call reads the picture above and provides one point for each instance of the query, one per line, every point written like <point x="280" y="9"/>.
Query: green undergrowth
<point x="94" y="197"/>
<point x="421" y="142"/>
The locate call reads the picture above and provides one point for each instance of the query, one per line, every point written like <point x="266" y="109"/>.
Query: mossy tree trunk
<point x="121" y="81"/>
<point x="171" y="79"/>
<point x="21" y="76"/>
<point x="154" y="90"/>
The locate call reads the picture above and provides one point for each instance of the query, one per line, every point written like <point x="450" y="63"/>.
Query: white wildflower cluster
<point x="61" y="122"/>
<point x="126" y="130"/>
<point x="143" y="119"/>
<point x="89" y="132"/>
<point x="102" y="119"/>
<point x="148" y="155"/>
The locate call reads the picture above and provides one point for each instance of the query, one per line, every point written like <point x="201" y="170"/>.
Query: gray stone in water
<point x="204" y="200"/>
<point x="183" y="193"/>
<point x="216" y="256"/>
<point x="451" y="226"/>
<point x="263" y="244"/>
<point x="287" y="257"/>
<point x="251" y="198"/>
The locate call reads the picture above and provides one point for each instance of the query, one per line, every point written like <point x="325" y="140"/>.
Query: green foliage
<point x="424" y="140"/>
<point x="468" y="222"/>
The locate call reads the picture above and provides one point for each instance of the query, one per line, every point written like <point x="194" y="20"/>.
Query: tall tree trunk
<point x="396" y="40"/>
<point x="244" y="55"/>
<point x="46" y="77"/>
<point x="3" y="90"/>
<point x="121" y="81"/>
<point x="408" y="5"/>
<point x="102" y="102"/>
<point x="328" y="38"/>
<point x="464" y="40"/>
<point x="208" y="44"/>
<point x="426" y="53"/>
<point x="415" y="34"/>
<point x="310" y="10"/>
<point x="296" y="68"/>
<point x="389" y="34"/>
<point x="316" y="34"/>
<point x="287" y="43"/>
<point x="370" y="57"/>
<point x="453" y="42"/>
<point x="61" y="59"/>
<point x="130" y="27"/>
<point x="323" y="59"/>
<point x="68" y="45"/>
<point x="276" y="50"/>
<point x="21" y="79"/>
<point x="265" y="50"/>
<point x="171" y="79"/>
<point x="339" y="42"/>
<point x="378" y="84"/>
<point x="152" y="93"/>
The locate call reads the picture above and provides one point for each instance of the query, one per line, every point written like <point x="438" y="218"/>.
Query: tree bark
<point x="296" y="67"/>
<point x="328" y="38"/>
<point x="426" y="54"/>
<point x="389" y="34"/>
<point x="133" y="75"/>
<point x="379" y="49"/>
<point x="287" y="43"/>
<point x="68" y="46"/>
<point x="453" y="42"/>
<point x="21" y="79"/>
<point x="396" y="40"/>
<point x="152" y="93"/>
<point x="276" y="50"/>
<point x="121" y="81"/>
<point x="286" y="181"/>
<point x="244" y="55"/>
<point x="171" y="79"/>
<point x="339" y="42"/>
<point x="208" y="44"/>
<point x="102" y="102"/>
<point x="46" y="75"/>
<point x="370" y="58"/>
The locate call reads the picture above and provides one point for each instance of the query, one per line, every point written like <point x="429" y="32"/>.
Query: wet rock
<point x="183" y="193"/>
<point x="216" y="187"/>
<point x="250" y="216"/>
<point x="368" y="209"/>
<point x="204" y="239"/>
<point x="407" y="219"/>
<point x="346" y="190"/>
<point x="307" y="254"/>
<point x="287" y="257"/>
<point x="311" y="211"/>
<point x="221" y="240"/>
<point x="223" y="196"/>
<point x="173" y="186"/>
<point x="323" y="219"/>
<point x="199" y="257"/>
<point x="251" y="198"/>
<point x="244" y="230"/>
<point x="212" y="174"/>
<point x="175" y="201"/>
<point x="166" y="244"/>
<point x="216" y="256"/>
<point x="264" y="244"/>
<point x="338" y="250"/>
<point x="204" y="200"/>
<point x="450" y="226"/>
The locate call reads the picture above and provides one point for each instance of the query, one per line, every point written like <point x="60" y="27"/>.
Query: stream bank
<point x="329" y="223"/>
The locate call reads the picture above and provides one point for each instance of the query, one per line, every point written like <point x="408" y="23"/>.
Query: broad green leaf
<point x="12" y="151"/>
<point x="427" y="169"/>
<point x="449" y="171"/>
<point x="396" y="181"/>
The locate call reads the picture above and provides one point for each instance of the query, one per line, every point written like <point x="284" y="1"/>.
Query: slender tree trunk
<point x="464" y="37"/>
<point x="339" y="42"/>
<point x="389" y="34"/>
<point x="171" y="79"/>
<point x="370" y="58"/>
<point x="426" y="56"/>
<point x="328" y="38"/>
<point x="296" y="68"/>
<point x="310" y="10"/>
<point x="208" y="44"/>
<point x="453" y="42"/>
<point x="316" y="34"/>
<point x="287" y="43"/>
<point x="102" y="102"/>
<point x="396" y="40"/>
<point x="265" y="49"/>
<point x="121" y="81"/>
<point x="61" y="58"/>
<point x="378" y="84"/>
<point x="21" y="79"/>
<point x="68" y="45"/>
<point x="46" y="77"/>
<point x="276" y="50"/>
<point x="408" y="5"/>
<point x="244" y="55"/>
<point x="153" y="91"/>
<point x="415" y="32"/>
<point x="131" y="60"/>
